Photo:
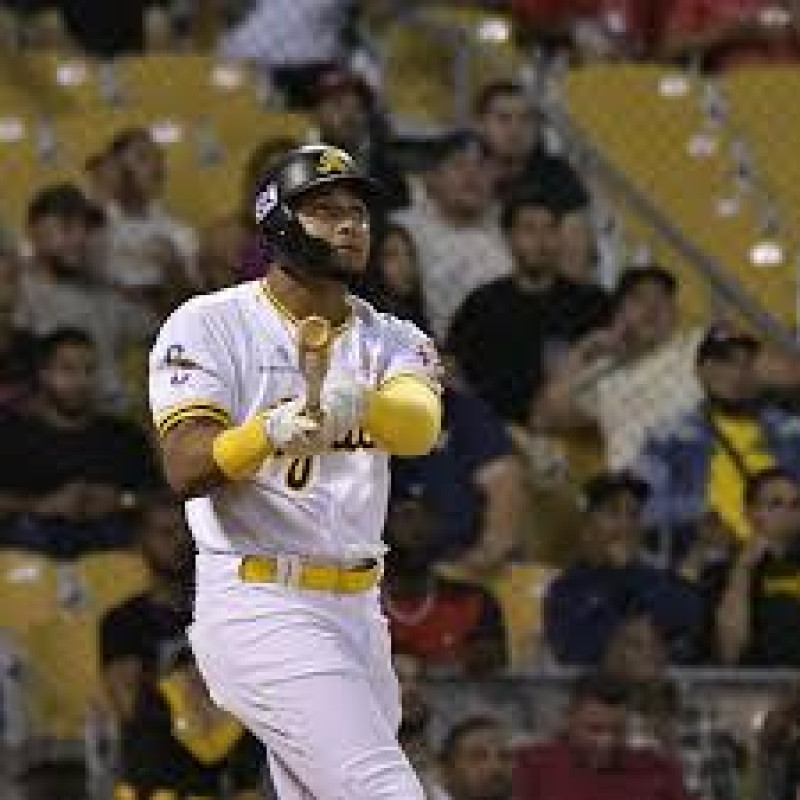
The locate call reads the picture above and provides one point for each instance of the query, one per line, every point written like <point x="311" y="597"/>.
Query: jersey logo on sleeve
<point x="176" y="360"/>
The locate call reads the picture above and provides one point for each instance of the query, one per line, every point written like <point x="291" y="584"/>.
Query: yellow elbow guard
<point x="405" y="416"/>
<point x="240" y="451"/>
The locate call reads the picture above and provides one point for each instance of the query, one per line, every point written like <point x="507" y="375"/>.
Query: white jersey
<point x="233" y="353"/>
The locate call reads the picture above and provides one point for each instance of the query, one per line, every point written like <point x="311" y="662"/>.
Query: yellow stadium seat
<point x="28" y="591"/>
<point x="650" y="123"/>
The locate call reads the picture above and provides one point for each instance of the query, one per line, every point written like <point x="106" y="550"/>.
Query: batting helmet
<point x="303" y="170"/>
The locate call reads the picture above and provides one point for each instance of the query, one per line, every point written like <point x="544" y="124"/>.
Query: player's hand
<point x="294" y="433"/>
<point x="344" y="403"/>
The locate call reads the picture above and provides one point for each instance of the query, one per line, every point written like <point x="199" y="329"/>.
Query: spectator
<point x="101" y="178"/>
<point x="450" y="626"/>
<point x="505" y="331"/>
<point x="727" y="33"/>
<point x="179" y="745"/>
<point x="295" y="40"/>
<point x="150" y="253"/>
<point x="777" y="755"/>
<point x="758" y="617"/>
<point x="514" y="134"/>
<point x="591" y="760"/>
<point x="457" y="238"/>
<point x="610" y="581"/>
<point x="474" y="482"/>
<point x="476" y="760"/>
<point x="701" y="461"/>
<point x="71" y="474"/>
<point x="347" y="116"/>
<point x="17" y="346"/>
<point x="393" y="282"/>
<point x="632" y="377"/>
<point x="414" y="735"/>
<point x="105" y="31"/>
<point x="663" y="718"/>
<point x="58" y="288"/>
<point x="139" y="638"/>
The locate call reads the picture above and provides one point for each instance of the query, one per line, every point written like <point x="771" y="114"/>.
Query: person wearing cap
<point x="700" y="464"/>
<point x="610" y="581"/>
<point x="59" y="286"/>
<point x="347" y="115"/>
<point x="632" y="375"/>
<point x="504" y="332"/>
<point x="454" y="226"/>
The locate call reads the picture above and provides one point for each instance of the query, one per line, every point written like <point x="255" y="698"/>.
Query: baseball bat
<point x="314" y="338"/>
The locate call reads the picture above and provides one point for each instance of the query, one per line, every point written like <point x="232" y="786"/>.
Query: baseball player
<point x="282" y="444"/>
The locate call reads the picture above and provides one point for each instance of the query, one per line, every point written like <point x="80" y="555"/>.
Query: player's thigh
<point x="330" y="733"/>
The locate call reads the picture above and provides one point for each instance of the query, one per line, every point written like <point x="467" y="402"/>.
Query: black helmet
<point x="303" y="170"/>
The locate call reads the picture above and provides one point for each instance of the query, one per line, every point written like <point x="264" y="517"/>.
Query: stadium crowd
<point x="615" y="493"/>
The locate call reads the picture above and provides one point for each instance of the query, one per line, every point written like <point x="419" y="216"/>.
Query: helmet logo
<point x="266" y="202"/>
<point x="331" y="161"/>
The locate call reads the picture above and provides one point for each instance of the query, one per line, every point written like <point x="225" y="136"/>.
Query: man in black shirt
<point x="69" y="474"/>
<point x="758" y="618"/>
<point x="140" y="637"/>
<point x="505" y="332"/>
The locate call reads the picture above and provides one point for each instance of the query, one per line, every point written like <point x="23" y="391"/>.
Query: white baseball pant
<point x="310" y="674"/>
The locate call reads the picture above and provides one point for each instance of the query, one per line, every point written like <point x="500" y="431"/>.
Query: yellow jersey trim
<point x="193" y="410"/>
<point x="288" y="316"/>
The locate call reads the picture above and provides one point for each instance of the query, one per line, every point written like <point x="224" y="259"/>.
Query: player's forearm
<point x="733" y="618"/>
<point x="405" y="416"/>
<point x="188" y="458"/>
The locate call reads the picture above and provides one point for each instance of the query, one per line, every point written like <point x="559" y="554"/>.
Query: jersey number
<point x="299" y="473"/>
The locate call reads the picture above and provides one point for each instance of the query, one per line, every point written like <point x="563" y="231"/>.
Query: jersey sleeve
<point x="408" y="351"/>
<point x="191" y="372"/>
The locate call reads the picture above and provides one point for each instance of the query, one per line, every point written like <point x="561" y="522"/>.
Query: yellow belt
<point x="291" y="571"/>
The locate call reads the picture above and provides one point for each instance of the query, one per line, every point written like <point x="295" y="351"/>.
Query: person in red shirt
<point x="452" y="627"/>
<point x="725" y="33"/>
<point x="591" y="761"/>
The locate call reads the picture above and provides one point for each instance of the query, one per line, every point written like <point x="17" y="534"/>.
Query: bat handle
<point x="314" y="356"/>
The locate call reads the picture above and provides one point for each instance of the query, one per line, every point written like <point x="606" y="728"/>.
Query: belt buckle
<point x="289" y="571"/>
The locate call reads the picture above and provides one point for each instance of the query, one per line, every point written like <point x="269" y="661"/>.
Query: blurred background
<point x="594" y="208"/>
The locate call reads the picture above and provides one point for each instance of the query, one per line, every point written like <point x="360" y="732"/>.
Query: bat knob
<point x="314" y="333"/>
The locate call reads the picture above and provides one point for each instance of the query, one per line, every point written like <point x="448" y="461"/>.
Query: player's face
<point x="340" y="216"/>
<point x="68" y="380"/>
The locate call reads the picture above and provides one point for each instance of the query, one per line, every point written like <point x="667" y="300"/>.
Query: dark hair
<point x="49" y="345"/>
<point x="64" y="200"/>
<point x="605" y="486"/>
<point x="492" y="90"/>
<point x="462" y="729"/>
<point x="756" y="482"/>
<point x="600" y="687"/>
<point x="126" y="137"/>
<point x="531" y="196"/>
<point x="634" y="277"/>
